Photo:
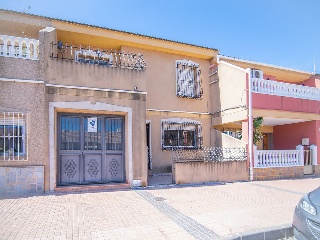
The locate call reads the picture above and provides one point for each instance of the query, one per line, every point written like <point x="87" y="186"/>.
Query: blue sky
<point x="280" y="32"/>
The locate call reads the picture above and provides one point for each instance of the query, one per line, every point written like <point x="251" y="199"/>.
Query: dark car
<point x="306" y="218"/>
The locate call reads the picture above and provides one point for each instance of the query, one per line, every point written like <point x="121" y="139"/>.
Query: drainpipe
<point x="250" y="123"/>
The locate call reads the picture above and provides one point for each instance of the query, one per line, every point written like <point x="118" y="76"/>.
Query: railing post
<point x="313" y="149"/>
<point x="9" y="47"/>
<point x="35" y="52"/>
<point x="5" y="46"/>
<point x="301" y="155"/>
<point x="20" y="48"/>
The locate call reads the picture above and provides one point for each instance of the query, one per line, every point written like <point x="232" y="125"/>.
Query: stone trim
<point x="317" y="170"/>
<point x="21" y="180"/>
<point x="94" y="92"/>
<point x="86" y="105"/>
<point x="21" y="80"/>
<point x="277" y="173"/>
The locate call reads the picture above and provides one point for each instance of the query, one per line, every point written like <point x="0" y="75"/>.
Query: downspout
<point x="218" y="61"/>
<point x="250" y="125"/>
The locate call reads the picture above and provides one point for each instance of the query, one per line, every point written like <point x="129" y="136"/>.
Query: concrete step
<point x="92" y="188"/>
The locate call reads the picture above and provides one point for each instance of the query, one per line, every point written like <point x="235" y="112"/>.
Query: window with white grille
<point x="181" y="134"/>
<point x="13" y="136"/>
<point x="188" y="77"/>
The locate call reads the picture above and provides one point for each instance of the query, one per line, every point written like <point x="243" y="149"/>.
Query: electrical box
<point x="305" y="141"/>
<point x="257" y="74"/>
<point x="136" y="183"/>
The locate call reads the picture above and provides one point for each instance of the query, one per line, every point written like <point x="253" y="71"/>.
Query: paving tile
<point x="224" y="210"/>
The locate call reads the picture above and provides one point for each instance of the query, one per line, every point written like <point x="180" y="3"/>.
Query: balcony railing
<point x="285" y="89"/>
<point x="277" y="158"/>
<point x="18" y="47"/>
<point x="88" y="55"/>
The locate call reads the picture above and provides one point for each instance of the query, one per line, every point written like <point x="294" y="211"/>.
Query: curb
<point x="270" y="233"/>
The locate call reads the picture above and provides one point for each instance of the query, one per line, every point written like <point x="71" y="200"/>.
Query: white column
<point x="20" y="48"/>
<point x="314" y="159"/>
<point x="35" y="52"/>
<point x="28" y="49"/>
<point x="250" y="124"/>
<point x="255" y="156"/>
<point x="5" y="47"/>
<point x="301" y="154"/>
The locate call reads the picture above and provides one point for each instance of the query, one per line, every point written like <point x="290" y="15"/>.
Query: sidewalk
<point x="210" y="211"/>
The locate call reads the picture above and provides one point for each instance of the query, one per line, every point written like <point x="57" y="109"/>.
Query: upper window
<point x="181" y="133"/>
<point x="233" y="133"/>
<point x="188" y="76"/>
<point x="12" y="136"/>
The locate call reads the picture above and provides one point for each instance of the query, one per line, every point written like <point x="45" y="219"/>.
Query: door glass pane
<point x="70" y="133"/>
<point x="113" y="128"/>
<point x="92" y="133"/>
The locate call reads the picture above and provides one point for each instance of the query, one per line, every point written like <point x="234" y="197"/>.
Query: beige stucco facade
<point x="49" y="87"/>
<point x="202" y="172"/>
<point x="163" y="104"/>
<point x="230" y="95"/>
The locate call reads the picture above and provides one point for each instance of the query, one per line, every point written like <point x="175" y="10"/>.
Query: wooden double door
<point x="91" y="149"/>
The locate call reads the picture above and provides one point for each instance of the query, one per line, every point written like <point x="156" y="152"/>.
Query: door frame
<point x="83" y="153"/>
<point x="148" y="122"/>
<point x="91" y="108"/>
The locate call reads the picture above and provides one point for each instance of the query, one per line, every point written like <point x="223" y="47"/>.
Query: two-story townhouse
<point x="70" y="113"/>
<point x="285" y="101"/>
<point x="86" y="105"/>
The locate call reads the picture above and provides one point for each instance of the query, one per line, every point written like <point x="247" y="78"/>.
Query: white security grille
<point x="181" y="134"/>
<point x="12" y="136"/>
<point x="188" y="77"/>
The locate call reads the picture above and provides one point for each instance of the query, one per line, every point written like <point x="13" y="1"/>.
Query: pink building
<point x="288" y="103"/>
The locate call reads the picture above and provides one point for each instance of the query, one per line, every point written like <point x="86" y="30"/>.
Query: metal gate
<point x="91" y="149"/>
<point x="308" y="168"/>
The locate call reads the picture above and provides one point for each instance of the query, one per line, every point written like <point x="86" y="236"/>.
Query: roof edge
<point x="264" y="64"/>
<point x="232" y="65"/>
<point x="110" y="29"/>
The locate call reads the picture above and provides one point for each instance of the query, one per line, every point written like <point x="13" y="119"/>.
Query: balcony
<point x="285" y="158"/>
<point x="17" y="47"/>
<point x="285" y="89"/>
<point x="102" y="57"/>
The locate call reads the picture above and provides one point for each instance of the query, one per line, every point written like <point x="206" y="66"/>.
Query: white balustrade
<point x="285" y="89"/>
<point x="277" y="158"/>
<point x="18" y="47"/>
